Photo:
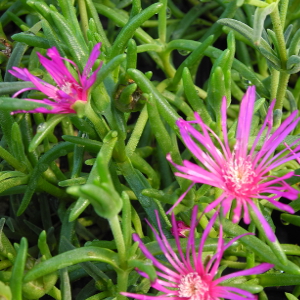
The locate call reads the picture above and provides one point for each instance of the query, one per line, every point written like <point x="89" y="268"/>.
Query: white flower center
<point x="191" y="286"/>
<point x="67" y="87"/>
<point x="240" y="177"/>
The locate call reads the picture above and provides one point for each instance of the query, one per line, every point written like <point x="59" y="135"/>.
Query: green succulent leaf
<point x="291" y="296"/>
<point x="259" y="19"/>
<point x="293" y="64"/>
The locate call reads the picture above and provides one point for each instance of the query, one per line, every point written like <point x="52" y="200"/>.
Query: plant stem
<point x="283" y="10"/>
<point x="120" y="243"/>
<point x="282" y="86"/>
<point x="274" y="83"/>
<point x="283" y="80"/>
<point x="122" y="284"/>
<point x="168" y="68"/>
<point x="162" y="22"/>
<point x="98" y="122"/>
<point x="149" y="47"/>
<point x="83" y="18"/>
<point x="118" y="237"/>
<point x="277" y="27"/>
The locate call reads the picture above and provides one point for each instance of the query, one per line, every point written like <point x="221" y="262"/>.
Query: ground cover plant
<point x="149" y="149"/>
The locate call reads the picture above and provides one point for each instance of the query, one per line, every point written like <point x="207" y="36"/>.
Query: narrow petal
<point x="57" y="108"/>
<point x="232" y="296"/>
<point x="214" y="263"/>
<point x="252" y="271"/>
<point x="240" y="291"/>
<point x="224" y="123"/>
<point x="190" y="249"/>
<point x="165" y="246"/>
<point x="245" y="120"/>
<point x="277" y="138"/>
<point x="281" y="206"/>
<point x="43" y="86"/>
<point x="148" y="254"/>
<point x="215" y="203"/>
<point x="146" y="297"/>
<point x="268" y="230"/>
<point x="206" y="131"/>
<point x="177" y="240"/>
<point x="20" y="73"/>
<point x="186" y="130"/>
<point x="56" y="67"/>
<point x="179" y="199"/>
<point x="22" y="91"/>
<point x="88" y="80"/>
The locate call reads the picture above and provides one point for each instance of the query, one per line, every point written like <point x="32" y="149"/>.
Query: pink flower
<point x="242" y="174"/>
<point x="188" y="276"/>
<point x="182" y="229"/>
<point x="68" y="89"/>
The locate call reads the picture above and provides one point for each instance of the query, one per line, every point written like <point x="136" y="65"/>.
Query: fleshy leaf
<point x="293" y="64"/>
<point x="291" y="296"/>
<point x="7" y="103"/>
<point x="259" y="19"/>
<point x="263" y="46"/>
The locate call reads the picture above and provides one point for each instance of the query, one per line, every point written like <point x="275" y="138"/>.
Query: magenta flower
<point x="181" y="229"/>
<point x="242" y="174"/>
<point x="188" y="276"/>
<point x="68" y="89"/>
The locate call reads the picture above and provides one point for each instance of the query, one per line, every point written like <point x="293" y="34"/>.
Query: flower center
<point x="191" y="286"/>
<point x="239" y="176"/>
<point x="67" y="87"/>
<point x="69" y="91"/>
<point x="71" y="87"/>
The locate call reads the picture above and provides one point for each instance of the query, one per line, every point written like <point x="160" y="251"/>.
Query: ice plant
<point x="68" y="90"/>
<point x="183" y="230"/>
<point x="242" y="174"/>
<point x="188" y="275"/>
